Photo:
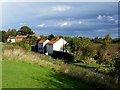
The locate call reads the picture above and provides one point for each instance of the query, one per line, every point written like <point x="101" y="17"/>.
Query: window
<point x="40" y="48"/>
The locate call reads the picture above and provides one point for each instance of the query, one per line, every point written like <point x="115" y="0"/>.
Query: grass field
<point x="90" y="65"/>
<point x="23" y="75"/>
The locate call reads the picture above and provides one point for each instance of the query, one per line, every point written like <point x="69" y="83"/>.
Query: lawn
<point x="90" y="65"/>
<point x="23" y="75"/>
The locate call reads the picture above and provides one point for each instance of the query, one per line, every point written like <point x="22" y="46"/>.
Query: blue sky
<point x="89" y="19"/>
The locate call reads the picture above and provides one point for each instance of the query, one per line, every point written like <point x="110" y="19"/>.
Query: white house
<point x="42" y="46"/>
<point x="19" y="38"/>
<point x="57" y="44"/>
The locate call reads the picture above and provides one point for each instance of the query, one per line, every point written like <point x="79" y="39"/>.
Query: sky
<point x="87" y="19"/>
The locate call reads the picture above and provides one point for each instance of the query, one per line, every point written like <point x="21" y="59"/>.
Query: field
<point x="23" y="75"/>
<point x="26" y="69"/>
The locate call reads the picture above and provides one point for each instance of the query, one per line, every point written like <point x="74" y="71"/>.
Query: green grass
<point x="88" y="64"/>
<point x="23" y="75"/>
<point x="92" y="65"/>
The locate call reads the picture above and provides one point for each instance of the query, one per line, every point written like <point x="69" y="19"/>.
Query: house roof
<point x="54" y="40"/>
<point x="41" y="41"/>
<point x="35" y="35"/>
<point x="11" y="37"/>
<point x="23" y="36"/>
<point x="17" y="37"/>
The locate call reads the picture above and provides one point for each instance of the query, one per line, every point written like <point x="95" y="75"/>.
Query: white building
<point x="19" y="38"/>
<point x="42" y="46"/>
<point x="56" y="44"/>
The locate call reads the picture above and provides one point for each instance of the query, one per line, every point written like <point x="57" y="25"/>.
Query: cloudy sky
<point x="93" y="19"/>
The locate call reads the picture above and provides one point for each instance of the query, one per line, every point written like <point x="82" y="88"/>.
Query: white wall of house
<point x="18" y="38"/>
<point x="11" y="40"/>
<point x="57" y="46"/>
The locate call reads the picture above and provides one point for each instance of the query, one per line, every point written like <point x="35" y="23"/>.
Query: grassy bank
<point x="23" y="75"/>
<point x="78" y="73"/>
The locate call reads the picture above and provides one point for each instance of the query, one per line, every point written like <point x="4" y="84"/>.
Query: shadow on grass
<point x="58" y="80"/>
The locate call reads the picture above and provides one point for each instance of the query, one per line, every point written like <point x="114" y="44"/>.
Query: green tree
<point x="106" y="42"/>
<point x="102" y="50"/>
<point x="97" y="40"/>
<point x="30" y="40"/>
<point x="51" y="36"/>
<point x="24" y="30"/>
<point x="42" y="37"/>
<point x="82" y="46"/>
<point x="0" y="36"/>
<point x="4" y="36"/>
<point x="12" y="32"/>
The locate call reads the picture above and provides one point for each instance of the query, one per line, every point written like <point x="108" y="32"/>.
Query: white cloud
<point x="61" y="8"/>
<point x="41" y="25"/>
<point x="64" y="24"/>
<point x="80" y="22"/>
<point x="110" y="18"/>
<point x="99" y="17"/>
<point x="69" y="23"/>
<point x="107" y="18"/>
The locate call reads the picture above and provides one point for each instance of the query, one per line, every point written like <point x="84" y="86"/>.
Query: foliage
<point x="102" y="50"/>
<point x="31" y="40"/>
<point x="63" y="55"/>
<point x="0" y="36"/>
<point x="97" y="40"/>
<point x="23" y="45"/>
<point x="12" y="32"/>
<point x="116" y="40"/>
<point x="106" y="42"/>
<point x="42" y="37"/>
<point x="82" y="46"/>
<point x="51" y="36"/>
<point x="4" y="36"/>
<point x="100" y="54"/>
<point x="24" y="30"/>
<point x="105" y="70"/>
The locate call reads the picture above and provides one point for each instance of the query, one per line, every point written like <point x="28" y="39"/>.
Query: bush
<point x="23" y="45"/>
<point x="105" y="70"/>
<point x="62" y="55"/>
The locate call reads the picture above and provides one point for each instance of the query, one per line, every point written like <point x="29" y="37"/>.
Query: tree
<point x="30" y="40"/>
<point x="102" y="50"/>
<point x="97" y="40"/>
<point x="106" y="42"/>
<point x="82" y="46"/>
<point x="42" y="37"/>
<point x="51" y="36"/>
<point x="0" y="36"/>
<point x="4" y="36"/>
<point x="24" y="30"/>
<point x="12" y="32"/>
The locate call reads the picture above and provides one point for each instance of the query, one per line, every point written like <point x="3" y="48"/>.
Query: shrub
<point x="23" y="45"/>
